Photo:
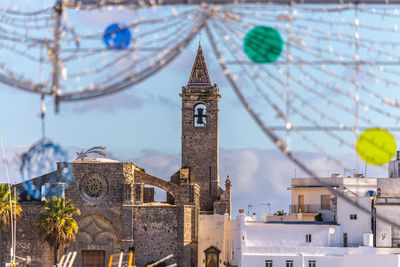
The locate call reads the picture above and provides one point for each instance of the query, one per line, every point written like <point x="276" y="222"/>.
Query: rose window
<point x="94" y="186"/>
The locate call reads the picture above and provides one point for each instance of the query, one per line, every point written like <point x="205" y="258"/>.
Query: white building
<point x="321" y="228"/>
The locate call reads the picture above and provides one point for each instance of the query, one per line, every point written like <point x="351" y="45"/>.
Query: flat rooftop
<point x="333" y="182"/>
<point x="302" y="223"/>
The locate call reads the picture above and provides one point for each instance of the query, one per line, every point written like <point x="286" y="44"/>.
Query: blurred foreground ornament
<point x="100" y="150"/>
<point x="38" y="169"/>
<point x="376" y="146"/>
<point x="117" y="36"/>
<point x="263" y="44"/>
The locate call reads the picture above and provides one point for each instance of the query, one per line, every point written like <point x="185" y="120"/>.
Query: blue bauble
<point x="117" y="36"/>
<point x="38" y="167"/>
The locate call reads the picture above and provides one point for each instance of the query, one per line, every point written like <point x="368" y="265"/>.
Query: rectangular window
<point x="312" y="264"/>
<point x="268" y="263"/>
<point x="289" y="263"/>
<point x="353" y="216"/>
<point x="308" y="238"/>
<point x="325" y="202"/>
<point x="300" y="203"/>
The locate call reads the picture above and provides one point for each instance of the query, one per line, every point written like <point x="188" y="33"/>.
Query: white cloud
<point x="160" y="165"/>
<point x="242" y="168"/>
<point x="257" y="175"/>
<point x="122" y="100"/>
<point x="109" y="103"/>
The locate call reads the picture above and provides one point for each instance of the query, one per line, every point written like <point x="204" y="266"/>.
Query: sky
<point x="142" y="124"/>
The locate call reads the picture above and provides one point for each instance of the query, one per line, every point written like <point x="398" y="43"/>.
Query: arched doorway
<point x="93" y="258"/>
<point x="96" y="237"/>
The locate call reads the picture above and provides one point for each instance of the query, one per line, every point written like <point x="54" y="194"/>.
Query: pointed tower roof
<point x="199" y="75"/>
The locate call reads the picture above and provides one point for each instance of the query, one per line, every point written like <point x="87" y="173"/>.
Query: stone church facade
<point x="118" y="212"/>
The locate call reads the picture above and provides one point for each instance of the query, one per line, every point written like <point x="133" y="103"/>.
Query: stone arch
<point x="96" y="230"/>
<point x="147" y="179"/>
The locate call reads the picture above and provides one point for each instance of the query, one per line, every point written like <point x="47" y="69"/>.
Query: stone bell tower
<point x="200" y="132"/>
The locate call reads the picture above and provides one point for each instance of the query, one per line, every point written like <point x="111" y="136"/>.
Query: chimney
<point x="359" y="175"/>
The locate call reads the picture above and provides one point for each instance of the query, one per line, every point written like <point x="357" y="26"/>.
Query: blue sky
<point x="142" y="123"/>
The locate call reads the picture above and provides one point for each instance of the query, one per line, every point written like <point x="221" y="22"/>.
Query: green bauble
<point x="263" y="44"/>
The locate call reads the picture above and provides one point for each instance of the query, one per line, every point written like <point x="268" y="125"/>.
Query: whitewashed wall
<point x="233" y="240"/>
<point x="211" y="233"/>
<point x="360" y="185"/>
<point x="384" y="230"/>
<point x="290" y="235"/>
<point x="312" y="195"/>
<point x="324" y="261"/>
<point x="355" y="229"/>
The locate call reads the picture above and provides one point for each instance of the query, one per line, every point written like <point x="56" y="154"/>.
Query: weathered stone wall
<point x="200" y="144"/>
<point x="148" y="194"/>
<point x="100" y="221"/>
<point x="155" y="233"/>
<point x="118" y="219"/>
<point x="28" y="241"/>
<point x="99" y="229"/>
<point x="121" y="217"/>
<point x="114" y="175"/>
<point x="222" y="207"/>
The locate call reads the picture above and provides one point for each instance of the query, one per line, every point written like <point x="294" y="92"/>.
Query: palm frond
<point x="56" y="224"/>
<point x="6" y="205"/>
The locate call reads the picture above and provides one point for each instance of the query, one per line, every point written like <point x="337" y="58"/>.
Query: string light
<point x="230" y="32"/>
<point x="318" y="45"/>
<point x="312" y="47"/>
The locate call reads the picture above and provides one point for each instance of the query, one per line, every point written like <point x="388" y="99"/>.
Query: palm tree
<point x="57" y="225"/>
<point x="280" y="213"/>
<point x="6" y="205"/>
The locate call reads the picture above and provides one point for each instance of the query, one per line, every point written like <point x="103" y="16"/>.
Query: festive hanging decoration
<point x="376" y="146"/>
<point x="263" y="44"/>
<point x="335" y="75"/>
<point x="72" y="63"/>
<point x="117" y="36"/>
<point x="41" y="176"/>
<point x="326" y="77"/>
<point x="314" y="86"/>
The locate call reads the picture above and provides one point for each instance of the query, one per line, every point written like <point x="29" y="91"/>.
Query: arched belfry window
<point x="199" y="117"/>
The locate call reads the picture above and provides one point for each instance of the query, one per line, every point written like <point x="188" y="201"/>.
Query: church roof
<point x="94" y="160"/>
<point x="199" y="75"/>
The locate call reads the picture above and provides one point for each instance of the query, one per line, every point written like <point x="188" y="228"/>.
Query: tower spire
<point x="199" y="75"/>
<point x="200" y="100"/>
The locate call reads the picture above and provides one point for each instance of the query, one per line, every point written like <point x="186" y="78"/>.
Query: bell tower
<point x="200" y="101"/>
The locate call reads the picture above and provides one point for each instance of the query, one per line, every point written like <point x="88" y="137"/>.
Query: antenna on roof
<point x="248" y="209"/>
<point x="267" y="207"/>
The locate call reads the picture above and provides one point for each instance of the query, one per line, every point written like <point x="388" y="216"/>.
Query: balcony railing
<point x="307" y="208"/>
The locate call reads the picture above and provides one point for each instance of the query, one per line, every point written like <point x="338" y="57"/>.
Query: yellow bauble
<point x="376" y="146"/>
